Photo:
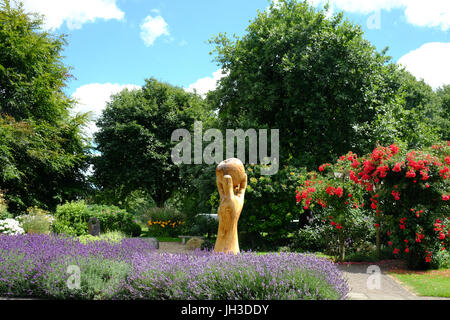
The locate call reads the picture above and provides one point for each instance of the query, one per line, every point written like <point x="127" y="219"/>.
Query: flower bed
<point x="37" y="266"/>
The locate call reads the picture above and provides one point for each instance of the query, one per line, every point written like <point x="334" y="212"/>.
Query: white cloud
<point x="430" y="13"/>
<point x="203" y="85"/>
<point x="153" y="28"/>
<point x="73" y="13"/>
<point x="183" y="43"/>
<point x="429" y="62"/>
<point x="93" y="98"/>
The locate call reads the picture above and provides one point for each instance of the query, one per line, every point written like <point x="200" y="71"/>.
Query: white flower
<point x="11" y="227"/>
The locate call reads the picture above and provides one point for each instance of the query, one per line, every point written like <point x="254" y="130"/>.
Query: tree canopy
<point x="315" y="78"/>
<point x="134" y="140"/>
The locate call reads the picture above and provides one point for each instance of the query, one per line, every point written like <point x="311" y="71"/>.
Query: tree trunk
<point x="378" y="243"/>
<point x="341" y="247"/>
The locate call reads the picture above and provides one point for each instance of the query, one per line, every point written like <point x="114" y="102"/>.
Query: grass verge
<point x="433" y="283"/>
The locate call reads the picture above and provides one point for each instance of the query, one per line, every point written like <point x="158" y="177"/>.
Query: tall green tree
<point x="42" y="151"/>
<point x="134" y="140"/>
<point x="315" y="78"/>
<point x="32" y="73"/>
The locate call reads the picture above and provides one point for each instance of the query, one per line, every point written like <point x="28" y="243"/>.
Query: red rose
<point x="411" y="174"/>
<point x="355" y="164"/>
<point x="397" y="167"/>
<point x="394" y="148"/>
<point x="339" y="192"/>
<point x="330" y="190"/>
<point x="396" y="194"/>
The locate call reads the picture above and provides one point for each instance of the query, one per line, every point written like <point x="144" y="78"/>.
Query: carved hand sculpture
<point x="231" y="181"/>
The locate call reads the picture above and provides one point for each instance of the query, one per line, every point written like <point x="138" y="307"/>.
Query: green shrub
<point x="269" y="208"/>
<point x="320" y="235"/>
<point x="113" y="218"/>
<point x="72" y="219"/>
<point x="312" y="238"/>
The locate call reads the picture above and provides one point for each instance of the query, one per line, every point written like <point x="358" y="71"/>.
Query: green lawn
<point x="434" y="283"/>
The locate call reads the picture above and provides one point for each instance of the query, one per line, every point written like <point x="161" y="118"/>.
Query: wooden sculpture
<point x="231" y="181"/>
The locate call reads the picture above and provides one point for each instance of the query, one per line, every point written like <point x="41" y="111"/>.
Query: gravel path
<point x="172" y="247"/>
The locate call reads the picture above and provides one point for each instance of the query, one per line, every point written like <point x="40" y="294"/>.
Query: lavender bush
<point x="36" y="265"/>
<point x="248" y="276"/>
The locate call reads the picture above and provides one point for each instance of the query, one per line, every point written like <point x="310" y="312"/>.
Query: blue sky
<point x="116" y="44"/>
